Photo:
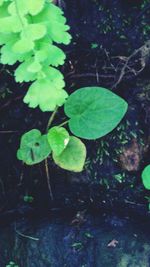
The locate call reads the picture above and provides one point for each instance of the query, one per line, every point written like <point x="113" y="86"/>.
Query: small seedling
<point x="77" y="246"/>
<point x="94" y="45"/>
<point x="88" y="235"/>
<point x="12" y="264"/>
<point x="28" y="199"/>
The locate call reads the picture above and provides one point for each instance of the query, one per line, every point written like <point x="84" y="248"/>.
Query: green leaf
<point x="53" y="18"/>
<point x="3" y="8"/>
<point x="22" y="74"/>
<point x="54" y="76"/>
<point x="94" y="112"/>
<point x="34" y="147"/>
<point x="73" y="156"/>
<point x="11" y="24"/>
<point x="32" y="7"/>
<point x="44" y="94"/>
<point x="4" y="38"/>
<point x="146" y="177"/>
<point x="50" y="54"/>
<point x="35" y="66"/>
<point x="8" y="56"/>
<point x="33" y="31"/>
<point x="21" y="5"/>
<point x="58" y="138"/>
<point x="35" y="6"/>
<point x="1" y="2"/>
<point x="23" y="46"/>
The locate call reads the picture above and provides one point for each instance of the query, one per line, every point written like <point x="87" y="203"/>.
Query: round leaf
<point x="146" y="177"/>
<point x="34" y="147"/>
<point x="94" y="112"/>
<point x="73" y="156"/>
<point x="58" y="138"/>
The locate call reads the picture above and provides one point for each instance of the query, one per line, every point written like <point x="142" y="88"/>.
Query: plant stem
<point x="63" y="123"/>
<point x="51" y="119"/>
<point x="48" y="179"/>
<point x="46" y="161"/>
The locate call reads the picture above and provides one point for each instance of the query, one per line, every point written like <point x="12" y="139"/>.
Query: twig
<point x="7" y="132"/>
<point x="21" y="176"/>
<point x="144" y="51"/>
<point x="91" y="75"/>
<point x="26" y="236"/>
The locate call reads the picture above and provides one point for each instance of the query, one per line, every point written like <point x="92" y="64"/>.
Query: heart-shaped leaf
<point x="34" y="147"/>
<point x="58" y="138"/>
<point x="73" y="156"/>
<point x="94" y="112"/>
<point x="146" y="177"/>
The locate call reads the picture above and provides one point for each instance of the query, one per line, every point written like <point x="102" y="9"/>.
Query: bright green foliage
<point x="73" y="156"/>
<point x="34" y="147"/>
<point x="94" y="112"/>
<point x="58" y="138"/>
<point x="53" y="18"/>
<point x="27" y="32"/>
<point x="34" y="6"/>
<point x="146" y="177"/>
<point x="46" y="94"/>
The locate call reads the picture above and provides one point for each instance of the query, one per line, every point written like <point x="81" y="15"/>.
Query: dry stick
<point x="26" y="236"/>
<point x="8" y="132"/>
<point x="144" y="52"/>
<point x="21" y="176"/>
<point x="123" y="70"/>
<point x="90" y="75"/>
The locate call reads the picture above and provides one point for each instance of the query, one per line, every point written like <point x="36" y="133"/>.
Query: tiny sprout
<point x="28" y="199"/>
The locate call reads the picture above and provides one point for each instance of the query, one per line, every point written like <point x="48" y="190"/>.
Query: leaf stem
<point x="48" y="179"/>
<point x="51" y="119"/>
<point x="63" y="123"/>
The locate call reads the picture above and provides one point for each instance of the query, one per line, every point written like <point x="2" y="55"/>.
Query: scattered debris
<point x="113" y="243"/>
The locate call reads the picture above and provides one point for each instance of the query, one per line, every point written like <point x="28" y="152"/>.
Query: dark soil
<point x="112" y="175"/>
<point x="99" y="241"/>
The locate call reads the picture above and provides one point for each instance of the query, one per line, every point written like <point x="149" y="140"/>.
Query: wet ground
<point x="99" y="241"/>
